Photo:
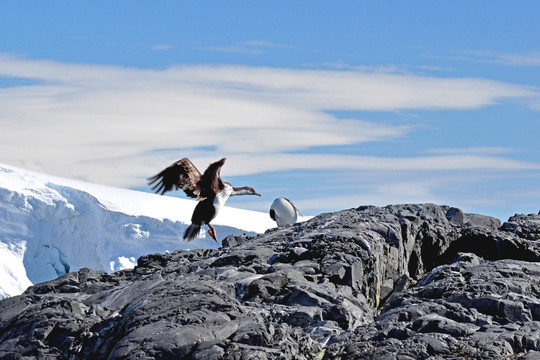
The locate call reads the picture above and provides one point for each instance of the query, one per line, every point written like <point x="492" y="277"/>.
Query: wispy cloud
<point x="265" y="44"/>
<point x="251" y="47"/>
<point x="105" y="123"/>
<point x="379" y="69"/>
<point x="256" y="163"/>
<point x="232" y="49"/>
<point x="161" y="47"/>
<point x="486" y="150"/>
<point x="530" y="59"/>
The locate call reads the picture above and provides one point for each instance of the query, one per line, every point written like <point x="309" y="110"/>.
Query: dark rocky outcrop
<point x="397" y="282"/>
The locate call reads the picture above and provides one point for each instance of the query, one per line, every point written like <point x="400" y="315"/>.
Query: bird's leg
<point x="212" y="232"/>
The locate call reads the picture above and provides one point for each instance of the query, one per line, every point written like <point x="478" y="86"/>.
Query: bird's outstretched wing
<point x="181" y="175"/>
<point x="210" y="182"/>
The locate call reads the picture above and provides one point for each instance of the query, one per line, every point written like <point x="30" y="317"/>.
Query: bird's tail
<point x="191" y="232"/>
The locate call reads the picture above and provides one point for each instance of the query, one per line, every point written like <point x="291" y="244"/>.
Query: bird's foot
<point x="212" y="232"/>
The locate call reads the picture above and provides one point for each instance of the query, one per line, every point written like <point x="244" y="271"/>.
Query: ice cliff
<point x="50" y="226"/>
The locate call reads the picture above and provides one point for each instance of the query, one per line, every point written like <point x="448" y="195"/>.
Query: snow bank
<point x="50" y="226"/>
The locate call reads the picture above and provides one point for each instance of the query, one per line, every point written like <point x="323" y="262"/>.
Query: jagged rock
<point x="526" y="226"/>
<point x="465" y="309"/>
<point x="399" y="282"/>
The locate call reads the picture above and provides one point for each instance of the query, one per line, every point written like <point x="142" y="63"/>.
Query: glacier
<point x="50" y="226"/>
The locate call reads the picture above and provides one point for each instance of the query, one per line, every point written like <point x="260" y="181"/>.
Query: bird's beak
<point x="257" y="194"/>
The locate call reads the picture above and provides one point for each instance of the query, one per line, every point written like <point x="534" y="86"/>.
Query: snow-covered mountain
<point x="51" y="225"/>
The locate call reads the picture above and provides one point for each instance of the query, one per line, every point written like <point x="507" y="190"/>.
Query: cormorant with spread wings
<point x="208" y="188"/>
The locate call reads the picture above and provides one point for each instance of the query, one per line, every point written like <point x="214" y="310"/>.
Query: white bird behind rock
<point x="283" y="212"/>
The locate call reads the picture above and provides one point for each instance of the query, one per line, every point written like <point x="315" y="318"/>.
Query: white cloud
<point x="257" y="163"/>
<point x="104" y="123"/>
<point x="531" y="59"/>
<point x="382" y="194"/>
<point x="265" y="44"/>
<point x="486" y="150"/>
<point x="354" y="90"/>
<point x="251" y="47"/>
<point x="239" y="49"/>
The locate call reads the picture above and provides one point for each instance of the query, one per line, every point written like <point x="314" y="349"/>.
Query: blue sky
<point x="331" y="104"/>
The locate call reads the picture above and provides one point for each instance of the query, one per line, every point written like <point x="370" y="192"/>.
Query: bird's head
<point x="244" y="190"/>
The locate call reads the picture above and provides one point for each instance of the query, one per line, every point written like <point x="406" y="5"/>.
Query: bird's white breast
<point x="222" y="196"/>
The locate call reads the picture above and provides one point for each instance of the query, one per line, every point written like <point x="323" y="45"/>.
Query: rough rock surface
<point x="399" y="282"/>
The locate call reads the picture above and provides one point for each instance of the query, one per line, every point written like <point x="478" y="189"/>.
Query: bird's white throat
<point x="222" y="196"/>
